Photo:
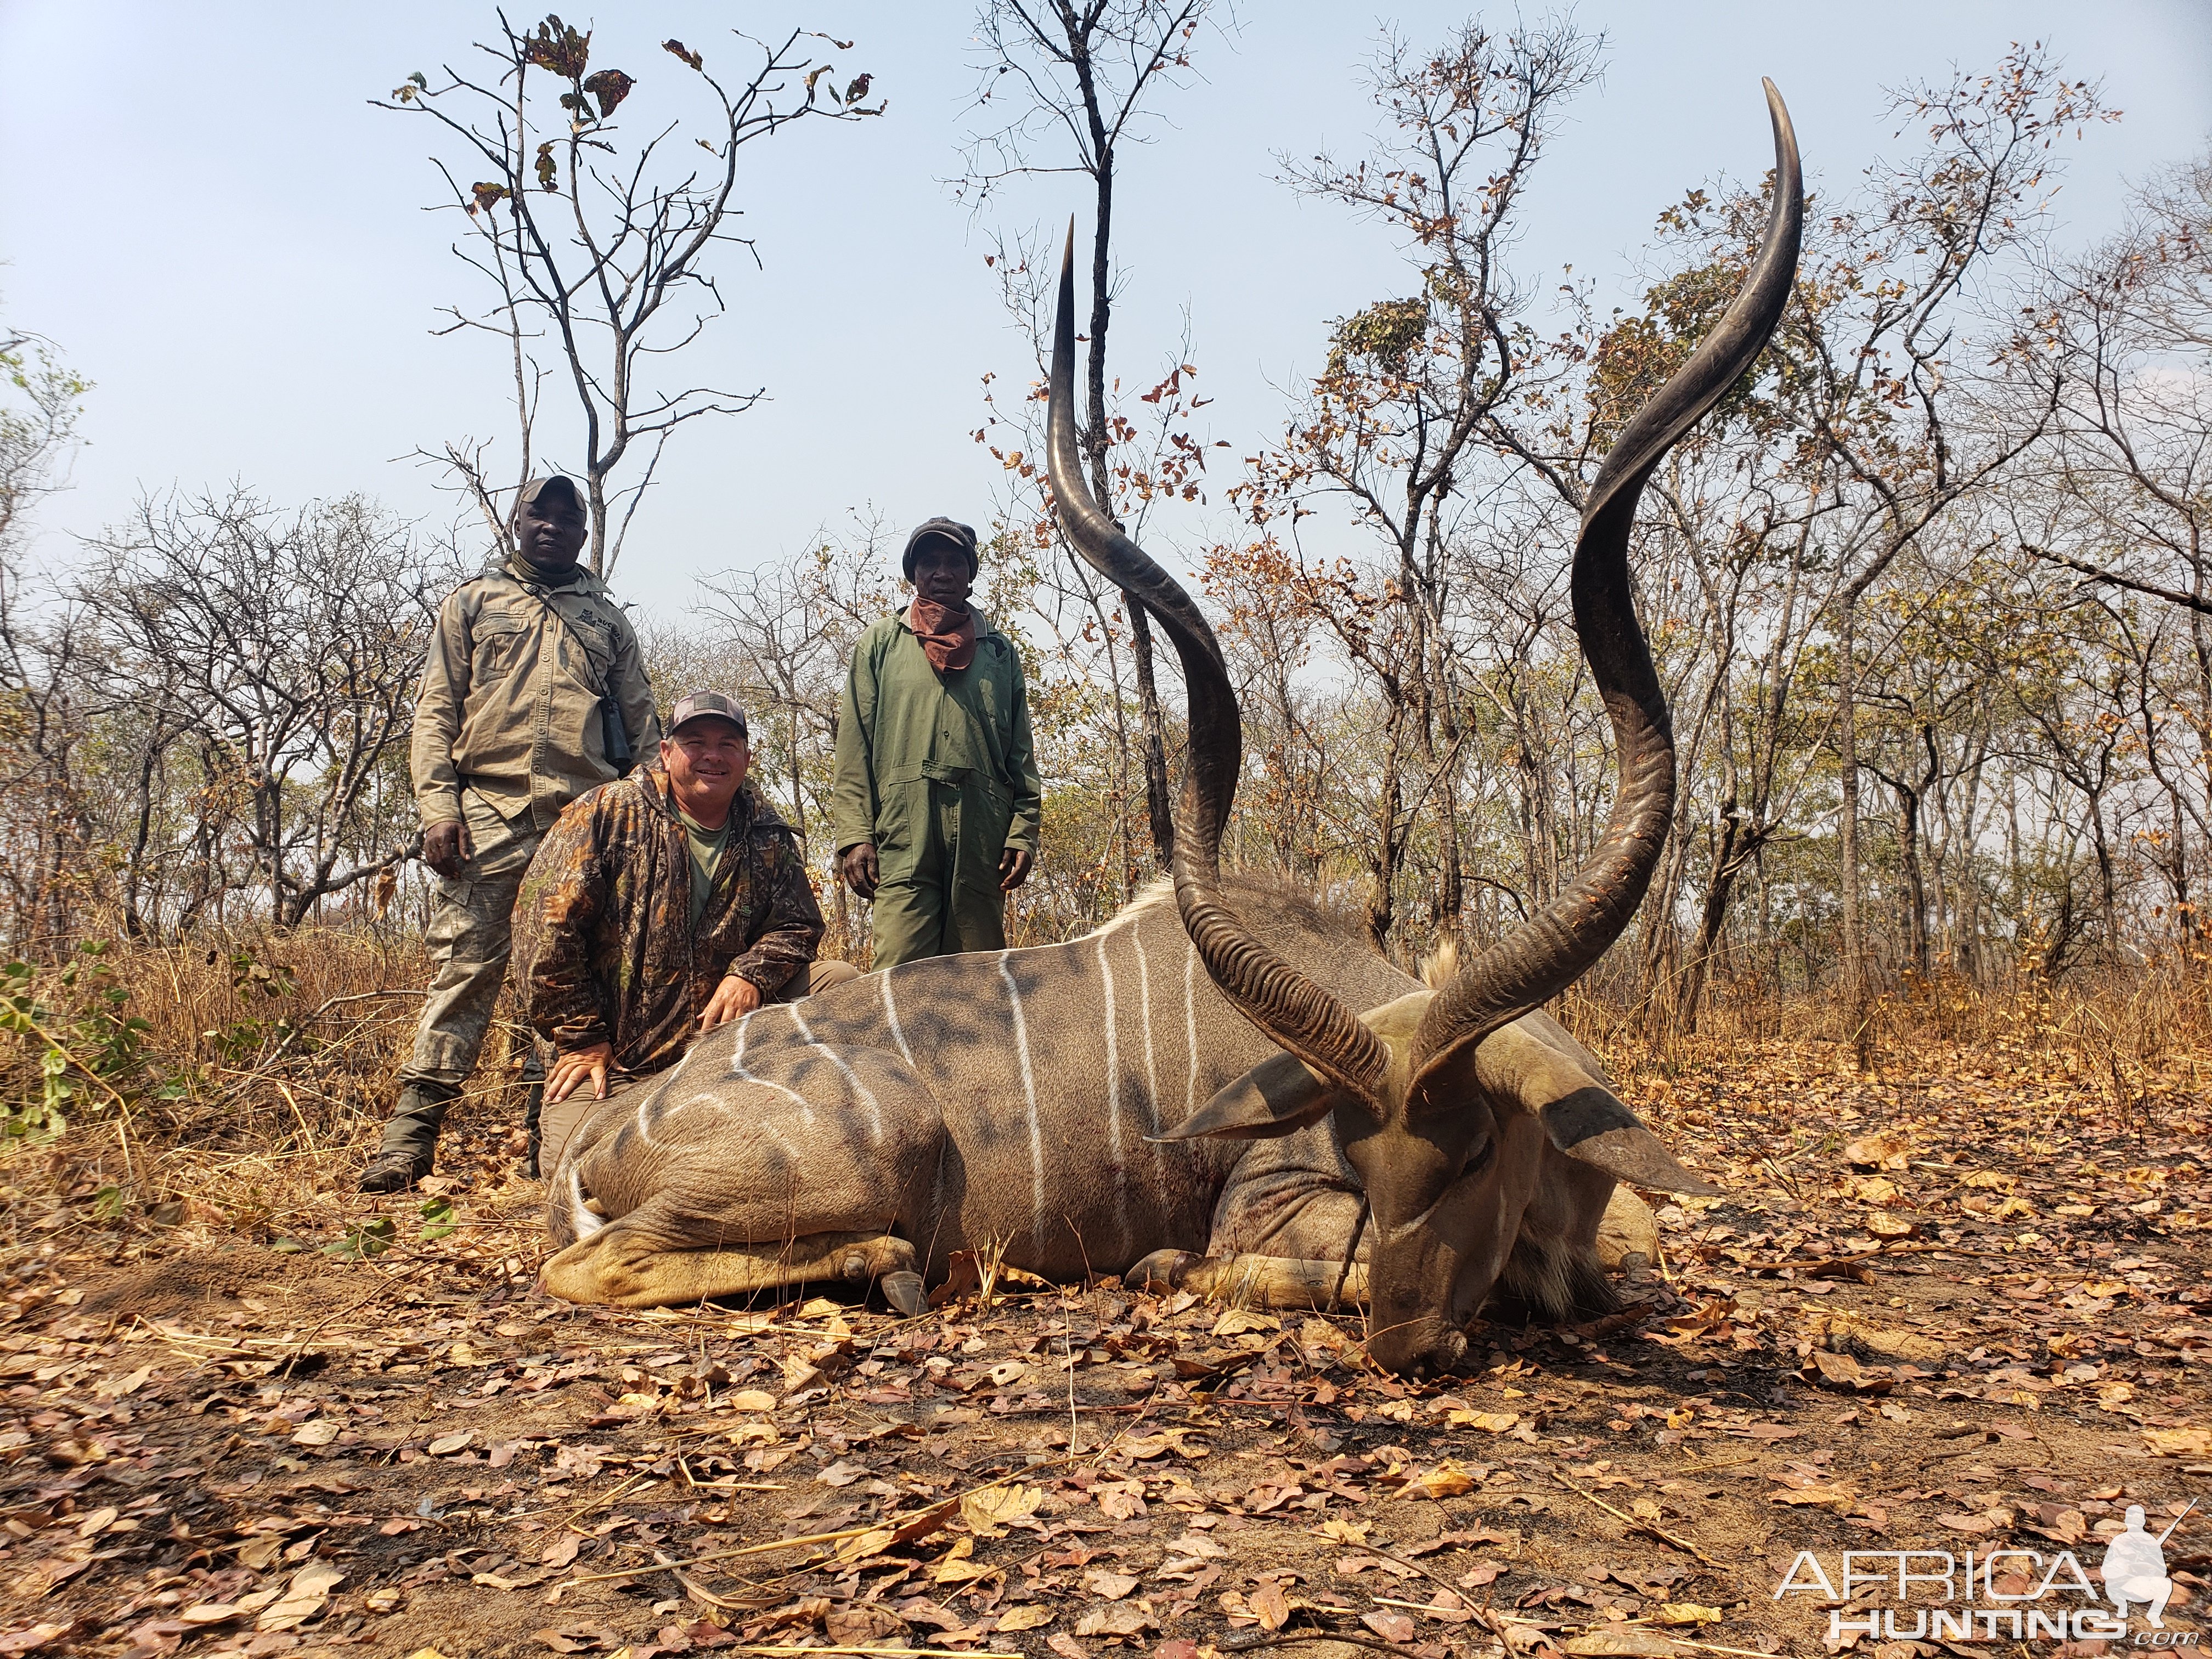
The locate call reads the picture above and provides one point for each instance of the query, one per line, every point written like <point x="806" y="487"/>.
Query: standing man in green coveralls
<point x="937" y="795"/>
<point x="533" y="693"/>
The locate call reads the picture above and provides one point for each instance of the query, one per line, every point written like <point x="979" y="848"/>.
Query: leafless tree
<point x="290" y="649"/>
<point x="603" y="254"/>
<point x="47" y="711"/>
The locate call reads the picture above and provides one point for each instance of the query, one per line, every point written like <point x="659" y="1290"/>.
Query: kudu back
<point x="1224" y="1085"/>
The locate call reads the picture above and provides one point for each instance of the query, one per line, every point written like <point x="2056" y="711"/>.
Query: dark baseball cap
<point x="949" y="530"/>
<point x="553" y="483"/>
<point x="705" y="705"/>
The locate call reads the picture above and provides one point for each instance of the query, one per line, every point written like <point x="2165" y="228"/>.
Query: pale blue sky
<point x="198" y="206"/>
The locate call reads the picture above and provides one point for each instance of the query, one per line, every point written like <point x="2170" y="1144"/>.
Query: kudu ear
<point x="1592" y="1126"/>
<point x="1275" y="1098"/>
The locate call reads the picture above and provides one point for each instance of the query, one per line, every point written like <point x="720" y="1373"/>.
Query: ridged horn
<point x="1292" y="1009"/>
<point x="1556" y="946"/>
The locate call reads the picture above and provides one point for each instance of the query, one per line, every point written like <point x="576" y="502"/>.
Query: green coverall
<point x="937" y="771"/>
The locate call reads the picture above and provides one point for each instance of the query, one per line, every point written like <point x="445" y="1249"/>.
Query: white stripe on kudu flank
<point x="1113" y="1055"/>
<point x="1145" y="1002"/>
<point x="1029" y="1094"/>
<point x="851" y="1077"/>
<point x="1114" y="1096"/>
<point x="1190" y="1026"/>
<point x="890" y="1013"/>
<point x="738" y="1070"/>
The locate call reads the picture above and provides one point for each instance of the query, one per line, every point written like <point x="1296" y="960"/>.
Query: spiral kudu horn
<point x="1556" y="946"/>
<point x="1297" y="1014"/>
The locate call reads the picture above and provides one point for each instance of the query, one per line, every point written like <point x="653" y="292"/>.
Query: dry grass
<point x="262" y="1074"/>
<point x="2128" y="1032"/>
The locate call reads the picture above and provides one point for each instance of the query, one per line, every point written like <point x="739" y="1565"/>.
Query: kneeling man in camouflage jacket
<point x="659" y="907"/>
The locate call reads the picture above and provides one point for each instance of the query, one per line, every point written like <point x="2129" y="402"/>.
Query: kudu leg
<point x="625" y="1264"/>
<point x="1255" y="1281"/>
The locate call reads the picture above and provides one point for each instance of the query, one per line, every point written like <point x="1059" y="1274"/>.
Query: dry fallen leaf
<point x="1029" y="1617"/>
<point x="861" y="1624"/>
<point x="1970" y="1524"/>
<point x="446" y="1444"/>
<point x="1115" y="1618"/>
<point x="1447" y="1480"/>
<point x="750" y="1400"/>
<point x="34" y="1637"/>
<point x="1237" y="1322"/>
<point x="1109" y="1586"/>
<point x="561" y="1551"/>
<point x="1626" y="1639"/>
<point x="1839" y="1496"/>
<point x="321" y="1432"/>
<point x="98" y="1521"/>
<point x="1268" y="1605"/>
<point x="986" y="1511"/>
<point x="303" y="1598"/>
<point x="1488" y="1422"/>
<point x="260" y="1551"/>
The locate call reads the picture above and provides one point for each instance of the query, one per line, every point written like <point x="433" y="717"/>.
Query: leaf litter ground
<point x="1952" y="1305"/>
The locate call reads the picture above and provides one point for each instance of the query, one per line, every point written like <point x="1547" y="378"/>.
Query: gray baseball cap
<point x="706" y="705"/>
<point x="553" y="483"/>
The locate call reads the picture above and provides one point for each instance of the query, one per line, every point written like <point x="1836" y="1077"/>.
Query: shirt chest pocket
<point x="500" y="648"/>
<point x="592" y="657"/>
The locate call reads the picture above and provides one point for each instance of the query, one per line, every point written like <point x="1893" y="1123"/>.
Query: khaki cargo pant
<point x="558" y="1120"/>
<point x="470" y="938"/>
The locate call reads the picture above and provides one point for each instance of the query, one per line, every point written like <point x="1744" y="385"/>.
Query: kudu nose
<point x="1424" y="1348"/>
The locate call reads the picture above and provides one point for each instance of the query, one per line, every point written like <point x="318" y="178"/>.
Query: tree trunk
<point x="1157" y="809"/>
<point x="1729" y="848"/>
<point x="1853" y="964"/>
<point x="1916" y="885"/>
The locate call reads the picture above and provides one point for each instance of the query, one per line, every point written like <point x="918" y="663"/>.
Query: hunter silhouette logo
<point x="2135" y="1567"/>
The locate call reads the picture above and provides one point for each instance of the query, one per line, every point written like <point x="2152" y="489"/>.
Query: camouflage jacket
<point x="604" y="944"/>
<point x="509" y="705"/>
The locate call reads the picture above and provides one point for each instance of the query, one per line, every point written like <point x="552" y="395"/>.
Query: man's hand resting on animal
<point x="575" y="1067"/>
<point x="734" y="998"/>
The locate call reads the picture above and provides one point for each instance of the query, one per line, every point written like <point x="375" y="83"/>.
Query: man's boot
<point x="410" y="1138"/>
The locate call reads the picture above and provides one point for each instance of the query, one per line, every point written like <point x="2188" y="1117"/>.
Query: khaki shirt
<point x="509" y="706"/>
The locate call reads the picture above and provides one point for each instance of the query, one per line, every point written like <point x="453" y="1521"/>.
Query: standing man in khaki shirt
<point x="533" y="693"/>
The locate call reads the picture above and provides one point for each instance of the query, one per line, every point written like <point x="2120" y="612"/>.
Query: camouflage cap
<point x="557" y="484"/>
<point x="705" y="705"/>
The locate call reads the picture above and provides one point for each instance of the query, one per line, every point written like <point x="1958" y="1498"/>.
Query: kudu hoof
<point x="905" y="1293"/>
<point x="1163" y="1270"/>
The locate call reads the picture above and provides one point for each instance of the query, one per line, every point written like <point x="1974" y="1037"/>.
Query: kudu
<point x="1105" y="1106"/>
